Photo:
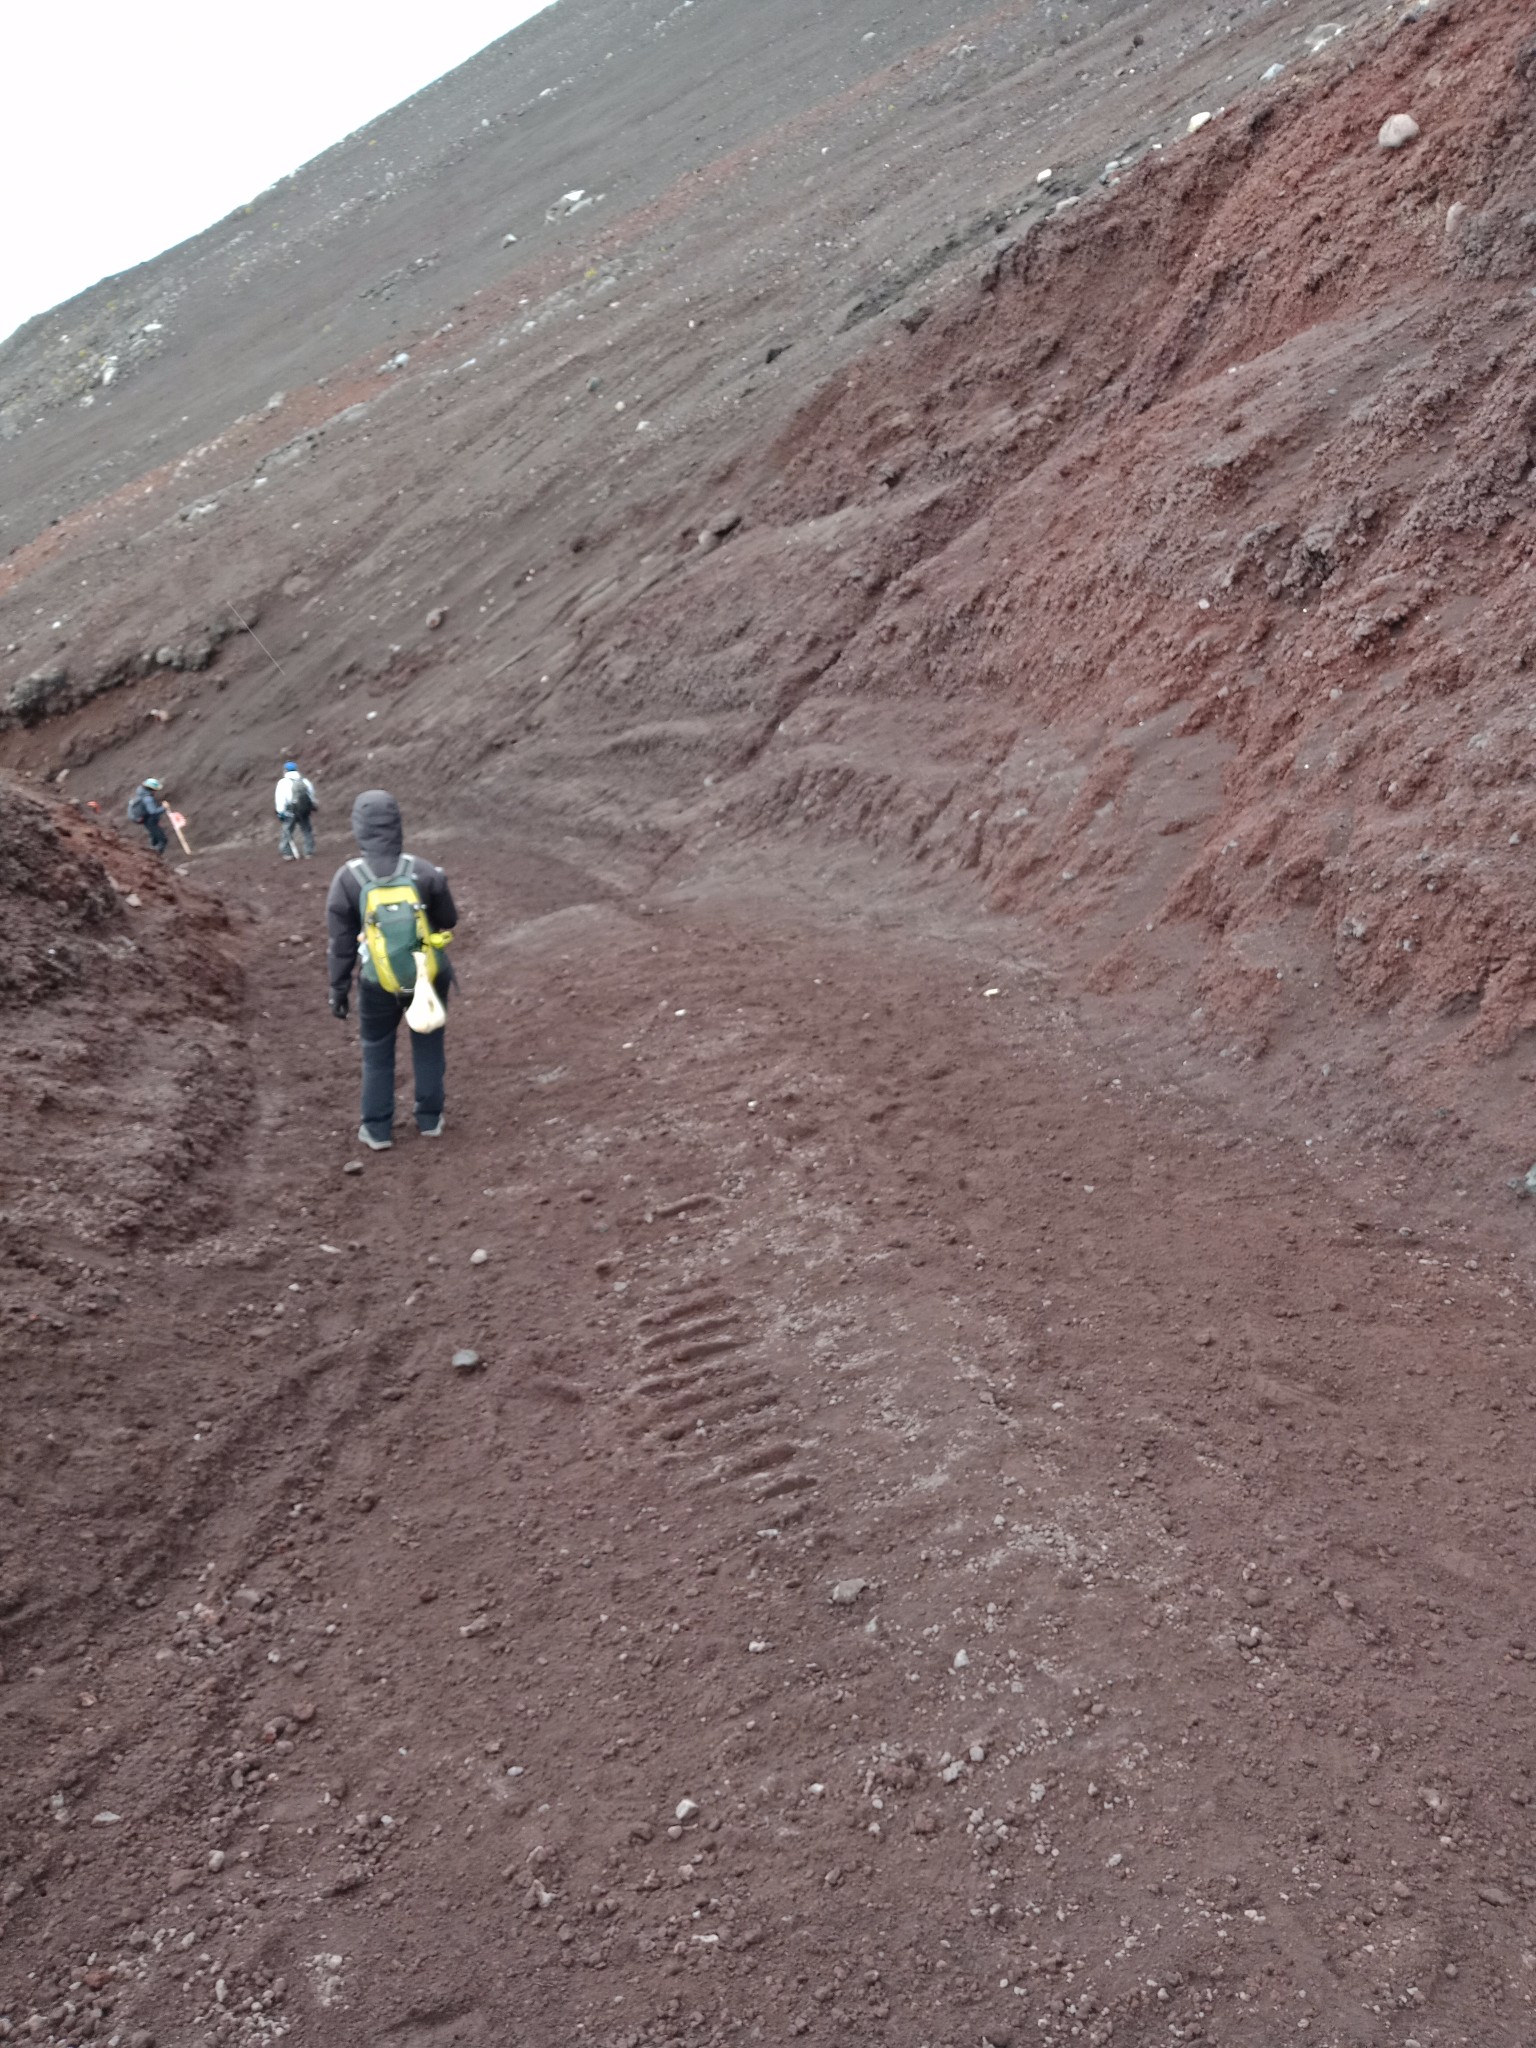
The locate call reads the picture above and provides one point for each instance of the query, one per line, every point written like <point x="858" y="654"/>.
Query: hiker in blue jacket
<point x="377" y="828"/>
<point x="146" y="809"/>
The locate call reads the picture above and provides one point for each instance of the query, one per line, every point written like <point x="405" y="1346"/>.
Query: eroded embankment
<point x="122" y="1074"/>
<point x="1180" y="572"/>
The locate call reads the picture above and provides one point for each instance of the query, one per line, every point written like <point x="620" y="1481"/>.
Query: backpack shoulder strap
<point x="364" y="873"/>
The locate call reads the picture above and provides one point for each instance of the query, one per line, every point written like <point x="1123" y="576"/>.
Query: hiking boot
<point x="366" y="1137"/>
<point x="432" y="1130"/>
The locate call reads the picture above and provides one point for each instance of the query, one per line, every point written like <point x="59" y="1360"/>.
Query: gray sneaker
<point x="434" y="1130"/>
<point x="366" y="1137"/>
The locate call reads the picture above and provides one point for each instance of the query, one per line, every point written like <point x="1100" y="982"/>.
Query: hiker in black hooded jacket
<point x="377" y="829"/>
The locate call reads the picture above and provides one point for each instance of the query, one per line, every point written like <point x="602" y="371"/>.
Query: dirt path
<point x="1184" y="1694"/>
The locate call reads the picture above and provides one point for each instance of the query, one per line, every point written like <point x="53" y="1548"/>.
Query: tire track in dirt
<point x="704" y="1396"/>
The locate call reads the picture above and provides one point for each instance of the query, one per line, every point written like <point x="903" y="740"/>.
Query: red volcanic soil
<point x="983" y="744"/>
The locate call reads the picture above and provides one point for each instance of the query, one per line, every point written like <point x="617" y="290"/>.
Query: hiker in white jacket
<point x="295" y="803"/>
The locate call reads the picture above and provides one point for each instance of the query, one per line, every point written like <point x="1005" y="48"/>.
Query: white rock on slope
<point x="1397" y="131"/>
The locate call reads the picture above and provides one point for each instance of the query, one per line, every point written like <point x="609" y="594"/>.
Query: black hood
<point x="377" y="830"/>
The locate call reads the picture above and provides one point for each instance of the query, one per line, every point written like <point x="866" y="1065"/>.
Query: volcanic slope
<point x="784" y="152"/>
<point x="985" y="1510"/>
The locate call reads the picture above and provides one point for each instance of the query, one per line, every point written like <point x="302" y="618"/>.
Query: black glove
<point x="338" y="1002"/>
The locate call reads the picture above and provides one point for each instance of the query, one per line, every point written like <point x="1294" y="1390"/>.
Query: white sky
<point x="127" y="125"/>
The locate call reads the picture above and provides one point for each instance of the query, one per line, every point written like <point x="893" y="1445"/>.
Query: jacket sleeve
<point x="344" y="924"/>
<point x="438" y="897"/>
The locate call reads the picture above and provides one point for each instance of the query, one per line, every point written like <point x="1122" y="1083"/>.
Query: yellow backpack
<point x="395" y="931"/>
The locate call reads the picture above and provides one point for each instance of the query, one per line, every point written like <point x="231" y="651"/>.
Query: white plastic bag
<point x="426" y="1012"/>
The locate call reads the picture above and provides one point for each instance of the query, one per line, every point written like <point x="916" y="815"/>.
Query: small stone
<point x="12" y="1893"/>
<point x="1495" y="1895"/>
<point x="962" y="1659"/>
<point x="436" y="616"/>
<point x="978" y="1754"/>
<point x="1197" y="122"/>
<point x="465" y="1361"/>
<point x="141" y="2038"/>
<point x="1042" y="177"/>
<point x="846" y="1591"/>
<point x="1397" y="131"/>
<point x="353" y="1166"/>
<point x="687" y="1809"/>
<point x="216" y="1859"/>
<point x="105" y="1820"/>
<point x="180" y="1879"/>
<point x="951" y="1771"/>
<point x="1400" y="1890"/>
<point x="1345" y="1603"/>
<point x="478" y="1258"/>
<point x="1268" y="77"/>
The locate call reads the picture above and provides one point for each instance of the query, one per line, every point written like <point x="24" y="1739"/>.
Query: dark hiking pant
<point x="379" y="1017"/>
<point x="156" y="832"/>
